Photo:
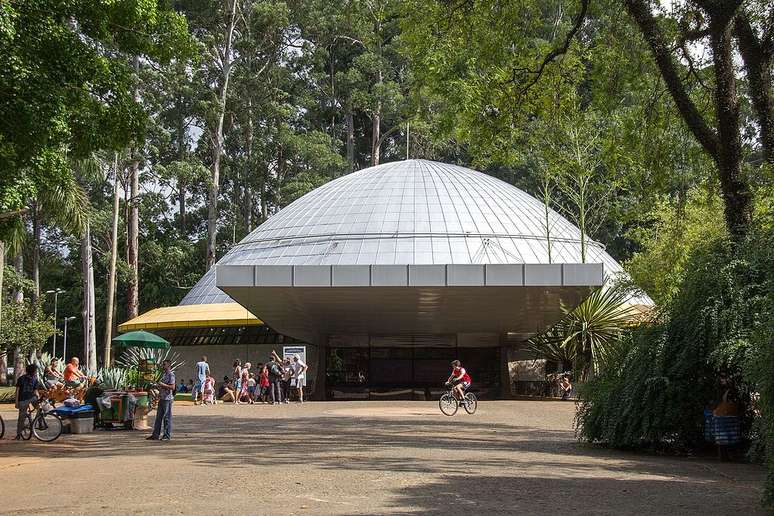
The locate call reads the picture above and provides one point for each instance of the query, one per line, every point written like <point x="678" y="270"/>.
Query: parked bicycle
<point x="42" y="422"/>
<point x="449" y="404"/>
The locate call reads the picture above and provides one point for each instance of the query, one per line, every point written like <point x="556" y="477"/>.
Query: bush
<point x="661" y="377"/>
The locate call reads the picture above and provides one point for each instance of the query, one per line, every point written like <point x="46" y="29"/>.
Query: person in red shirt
<point x="460" y="379"/>
<point x="73" y="376"/>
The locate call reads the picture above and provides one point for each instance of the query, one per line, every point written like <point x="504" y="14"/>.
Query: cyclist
<point x="27" y="387"/>
<point x="460" y="379"/>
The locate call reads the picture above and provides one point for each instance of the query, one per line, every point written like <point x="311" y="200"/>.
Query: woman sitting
<point x="226" y="391"/>
<point x="52" y="375"/>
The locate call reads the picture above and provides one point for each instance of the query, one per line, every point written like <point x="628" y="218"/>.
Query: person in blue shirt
<point x="27" y="387"/>
<point x="164" y="410"/>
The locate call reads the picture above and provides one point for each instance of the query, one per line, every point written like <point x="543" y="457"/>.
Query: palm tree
<point x="587" y="333"/>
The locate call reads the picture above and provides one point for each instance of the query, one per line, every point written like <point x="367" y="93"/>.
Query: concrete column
<point x="320" y="384"/>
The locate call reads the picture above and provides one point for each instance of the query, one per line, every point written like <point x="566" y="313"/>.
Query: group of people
<point x="273" y="382"/>
<point x="72" y="376"/>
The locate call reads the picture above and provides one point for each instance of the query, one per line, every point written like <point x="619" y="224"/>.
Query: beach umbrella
<point x="141" y="339"/>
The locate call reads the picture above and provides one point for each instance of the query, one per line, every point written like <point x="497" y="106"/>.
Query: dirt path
<point x="517" y="457"/>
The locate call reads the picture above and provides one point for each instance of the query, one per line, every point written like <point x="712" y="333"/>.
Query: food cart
<point x="130" y="408"/>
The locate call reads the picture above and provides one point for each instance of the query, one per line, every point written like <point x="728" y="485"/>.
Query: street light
<point x="64" y="353"/>
<point x="56" y="294"/>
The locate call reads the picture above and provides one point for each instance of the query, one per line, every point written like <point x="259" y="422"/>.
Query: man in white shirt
<point x="299" y="376"/>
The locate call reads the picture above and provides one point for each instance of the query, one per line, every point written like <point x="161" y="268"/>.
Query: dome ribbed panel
<point x="408" y="212"/>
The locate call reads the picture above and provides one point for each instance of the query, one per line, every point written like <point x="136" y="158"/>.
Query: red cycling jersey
<point x="457" y="371"/>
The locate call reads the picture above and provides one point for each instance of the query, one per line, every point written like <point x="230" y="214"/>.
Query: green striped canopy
<point x="141" y="339"/>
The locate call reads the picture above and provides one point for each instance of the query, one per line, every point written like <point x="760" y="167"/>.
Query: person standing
<point x="287" y="375"/>
<point x="164" y="410"/>
<point x="275" y="377"/>
<point x="27" y="387"/>
<point x="237" y="380"/>
<point x="299" y="375"/>
<point x="202" y="371"/>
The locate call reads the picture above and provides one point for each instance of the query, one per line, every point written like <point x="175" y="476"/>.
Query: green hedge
<point x="663" y="375"/>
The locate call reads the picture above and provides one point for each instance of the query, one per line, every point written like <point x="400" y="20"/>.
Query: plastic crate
<point x="709" y="426"/>
<point x="727" y="430"/>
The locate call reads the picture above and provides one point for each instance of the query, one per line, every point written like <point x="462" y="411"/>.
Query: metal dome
<point x="408" y="212"/>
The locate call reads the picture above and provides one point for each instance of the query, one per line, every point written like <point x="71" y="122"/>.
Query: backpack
<point x="274" y="371"/>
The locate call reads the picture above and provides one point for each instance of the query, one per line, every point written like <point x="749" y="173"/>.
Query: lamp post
<point x="64" y="352"/>
<point x="56" y="293"/>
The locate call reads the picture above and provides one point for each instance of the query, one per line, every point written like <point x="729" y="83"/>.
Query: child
<point x="251" y="389"/>
<point x="209" y="389"/>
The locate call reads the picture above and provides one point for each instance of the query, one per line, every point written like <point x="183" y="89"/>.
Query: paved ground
<point x="516" y="457"/>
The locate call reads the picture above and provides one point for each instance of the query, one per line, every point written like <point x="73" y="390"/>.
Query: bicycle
<point x="2" y="427"/>
<point x="44" y="425"/>
<point x="449" y="404"/>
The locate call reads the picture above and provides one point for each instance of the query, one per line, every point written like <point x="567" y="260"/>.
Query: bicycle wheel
<point x="26" y="431"/>
<point x="2" y="427"/>
<point x="448" y="404"/>
<point x="47" y="427"/>
<point x="471" y="403"/>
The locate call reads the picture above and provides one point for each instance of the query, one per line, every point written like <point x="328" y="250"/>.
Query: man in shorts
<point x="73" y="377"/>
<point x="460" y="379"/>
<point x="202" y="370"/>
<point x="299" y="376"/>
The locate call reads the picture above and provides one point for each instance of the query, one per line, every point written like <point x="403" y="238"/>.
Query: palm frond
<point x="66" y="204"/>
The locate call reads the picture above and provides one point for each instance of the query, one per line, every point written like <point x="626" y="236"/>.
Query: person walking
<point x="27" y="387"/>
<point x="243" y="392"/>
<point x="202" y="370"/>
<point x="299" y="376"/>
<point x="164" y="410"/>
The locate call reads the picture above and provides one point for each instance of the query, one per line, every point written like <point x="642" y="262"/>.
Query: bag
<point x="274" y="371"/>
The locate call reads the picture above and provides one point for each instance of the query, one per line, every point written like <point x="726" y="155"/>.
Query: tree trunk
<point x="112" y="271"/>
<point x="36" y="251"/>
<point x="89" y="336"/>
<point x="18" y="297"/>
<point x="181" y="150"/>
<point x="376" y="120"/>
<point x="736" y="193"/>
<point x="3" y="354"/>
<point x="217" y="142"/>
<point x="249" y="172"/>
<point x="133" y="294"/>
<point x="350" y="141"/>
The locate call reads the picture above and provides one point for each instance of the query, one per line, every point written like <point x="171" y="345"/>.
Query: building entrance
<point x="406" y="368"/>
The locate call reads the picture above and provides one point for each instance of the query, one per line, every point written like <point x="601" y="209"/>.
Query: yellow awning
<point x="192" y="316"/>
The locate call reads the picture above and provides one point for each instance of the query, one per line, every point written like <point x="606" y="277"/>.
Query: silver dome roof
<point x="408" y="212"/>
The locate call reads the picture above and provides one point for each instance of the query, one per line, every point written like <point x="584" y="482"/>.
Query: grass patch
<point x="7" y="394"/>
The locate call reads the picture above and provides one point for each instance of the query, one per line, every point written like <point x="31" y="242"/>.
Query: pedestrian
<point x="287" y="374"/>
<point x="164" y="410"/>
<point x="299" y="376"/>
<point x="251" y="387"/>
<point x="202" y="371"/>
<point x="263" y="382"/>
<point x="237" y="380"/>
<point x="27" y="387"/>
<point x="275" y="376"/>
<point x="243" y="392"/>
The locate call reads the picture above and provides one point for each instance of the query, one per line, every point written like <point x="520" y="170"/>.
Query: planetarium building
<point x="386" y="275"/>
